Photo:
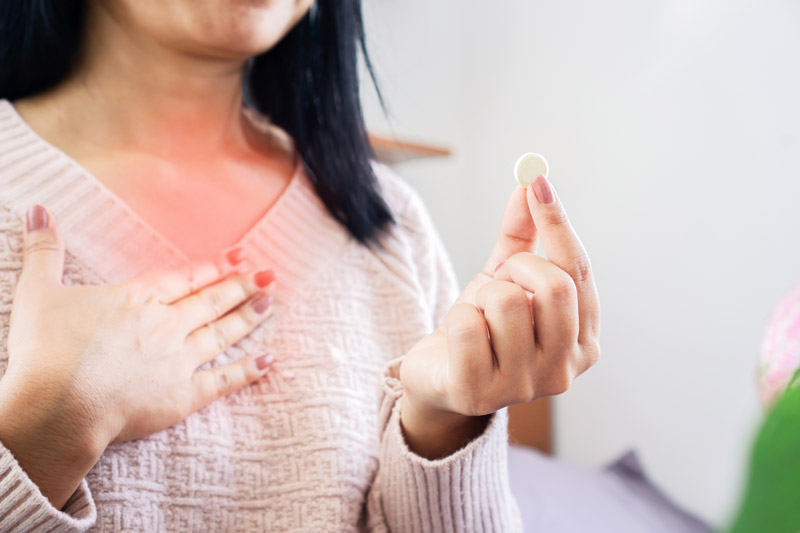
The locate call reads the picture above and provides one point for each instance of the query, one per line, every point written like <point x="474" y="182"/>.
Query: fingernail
<point x="261" y="302"/>
<point x="264" y="278"/>
<point x="235" y="256"/>
<point x="501" y="263"/>
<point x="264" y="361"/>
<point x="36" y="218"/>
<point x="544" y="193"/>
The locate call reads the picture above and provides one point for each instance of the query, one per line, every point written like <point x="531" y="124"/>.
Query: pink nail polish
<point x="264" y="278"/>
<point x="501" y="263"/>
<point x="544" y="193"/>
<point x="261" y="303"/>
<point x="264" y="361"/>
<point x="235" y="256"/>
<point x="36" y="218"/>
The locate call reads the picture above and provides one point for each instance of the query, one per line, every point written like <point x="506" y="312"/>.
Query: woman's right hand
<point x="89" y="365"/>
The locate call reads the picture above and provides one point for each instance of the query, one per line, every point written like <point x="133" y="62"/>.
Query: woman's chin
<point x="239" y="42"/>
<point x="214" y="28"/>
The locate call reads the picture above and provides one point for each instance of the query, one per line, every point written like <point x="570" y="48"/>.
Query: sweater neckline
<point x="293" y="237"/>
<point x="140" y="221"/>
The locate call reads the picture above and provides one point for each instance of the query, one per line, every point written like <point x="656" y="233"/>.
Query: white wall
<point x="670" y="127"/>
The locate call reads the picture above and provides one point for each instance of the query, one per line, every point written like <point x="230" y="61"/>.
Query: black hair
<point x="307" y="84"/>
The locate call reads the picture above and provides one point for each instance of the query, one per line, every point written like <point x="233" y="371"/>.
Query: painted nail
<point x="261" y="303"/>
<point x="501" y="263"/>
<point x="235" y="256"/>
<point x="36" y="218"/>
<point x="544" y="193"/>
<point x="264" y="361"/>
<point x="264" y="278"/>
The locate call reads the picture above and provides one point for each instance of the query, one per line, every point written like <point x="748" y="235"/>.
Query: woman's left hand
<point x="524" y="328"/>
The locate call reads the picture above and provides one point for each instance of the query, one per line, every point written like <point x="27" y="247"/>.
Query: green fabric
<point x="771" y="501"/>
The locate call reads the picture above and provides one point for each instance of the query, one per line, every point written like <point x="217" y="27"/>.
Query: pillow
<point x="556" y="496"/>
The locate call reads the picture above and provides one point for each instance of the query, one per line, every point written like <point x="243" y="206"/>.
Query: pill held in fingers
<point x="530" y="166"/>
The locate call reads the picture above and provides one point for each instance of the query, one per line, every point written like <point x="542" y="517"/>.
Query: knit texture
<point x="308" y="447"/>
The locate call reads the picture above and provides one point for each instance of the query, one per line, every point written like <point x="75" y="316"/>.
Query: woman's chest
<point x="203" y="214"/>
<point x="299" y="449"/>
<point x="305" y="433"/>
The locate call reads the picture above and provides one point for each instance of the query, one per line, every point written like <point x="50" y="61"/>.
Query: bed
<point x="556" y="496"/>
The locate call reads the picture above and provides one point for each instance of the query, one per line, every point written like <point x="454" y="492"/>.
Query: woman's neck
<point x="132" y="94"/>
<point x="164" y="130"/>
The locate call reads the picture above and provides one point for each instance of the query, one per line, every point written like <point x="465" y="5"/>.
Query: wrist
<point x="434" y="433"/>
<point x="55" y="448"/>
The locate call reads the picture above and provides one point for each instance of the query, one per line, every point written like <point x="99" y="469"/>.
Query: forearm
<point x="54" y="452"/>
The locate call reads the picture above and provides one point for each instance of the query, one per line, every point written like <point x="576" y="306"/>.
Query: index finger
<point x="564" y="249"/>
<point x="174" y="283"/>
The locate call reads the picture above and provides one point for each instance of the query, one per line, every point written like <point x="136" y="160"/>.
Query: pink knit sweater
<point x="314" y="446"/>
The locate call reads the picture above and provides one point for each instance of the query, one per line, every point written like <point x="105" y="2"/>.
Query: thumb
<point x="43" y="251"/>
<point x="517" y="234"/>
<point x="517" y="231"/>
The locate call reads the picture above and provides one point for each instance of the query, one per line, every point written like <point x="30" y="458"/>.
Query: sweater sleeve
<point x="24" y="508"/>
<point x="465" y="491"/>
<point x="468" y="490"/>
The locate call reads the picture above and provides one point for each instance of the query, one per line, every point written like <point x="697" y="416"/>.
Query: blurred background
<point x="670" y="128"/>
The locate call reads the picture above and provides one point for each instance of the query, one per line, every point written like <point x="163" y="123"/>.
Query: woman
<point x="160" y="377"/>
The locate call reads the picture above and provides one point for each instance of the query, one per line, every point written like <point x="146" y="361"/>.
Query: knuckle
<point x="242" y="292"/>
<point x="130" y="296"/>
<point x="560" y="381"/>
<point x="582" y="269"/>
<point x="220" y="342"/>
<point x="190" y="277"/>
<point x="515" y="237"/>
<point x="524" y="392"/>
<point x="217" y="269"/>
<point x="465" y="329"/>
<point x="555" y="217"/>
<point x="152" y="300"/>
<point x="137" y="294"/>
<point x="507" y="298"/>
<point x="249" y="318"/>
<point x="562" y="289"/>
<point x="43" y="243"/>
<point x="236" y="327"/>
<point x="223" y="381"/>
<point x="246" y="286"/>
<point x="213" y="302"/>
<point x="591" y="354"/>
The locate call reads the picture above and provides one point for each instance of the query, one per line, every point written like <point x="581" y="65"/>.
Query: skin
<point x="156" y="97"/>
<point x="90" y="365"/>
<point x="157" y="93"/>
<point x="523" y="328"/>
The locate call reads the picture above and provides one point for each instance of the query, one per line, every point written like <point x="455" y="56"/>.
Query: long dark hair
<point x="307" y="84"/>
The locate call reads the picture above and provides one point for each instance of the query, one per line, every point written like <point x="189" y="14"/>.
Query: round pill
<point x="528" y="167"/>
